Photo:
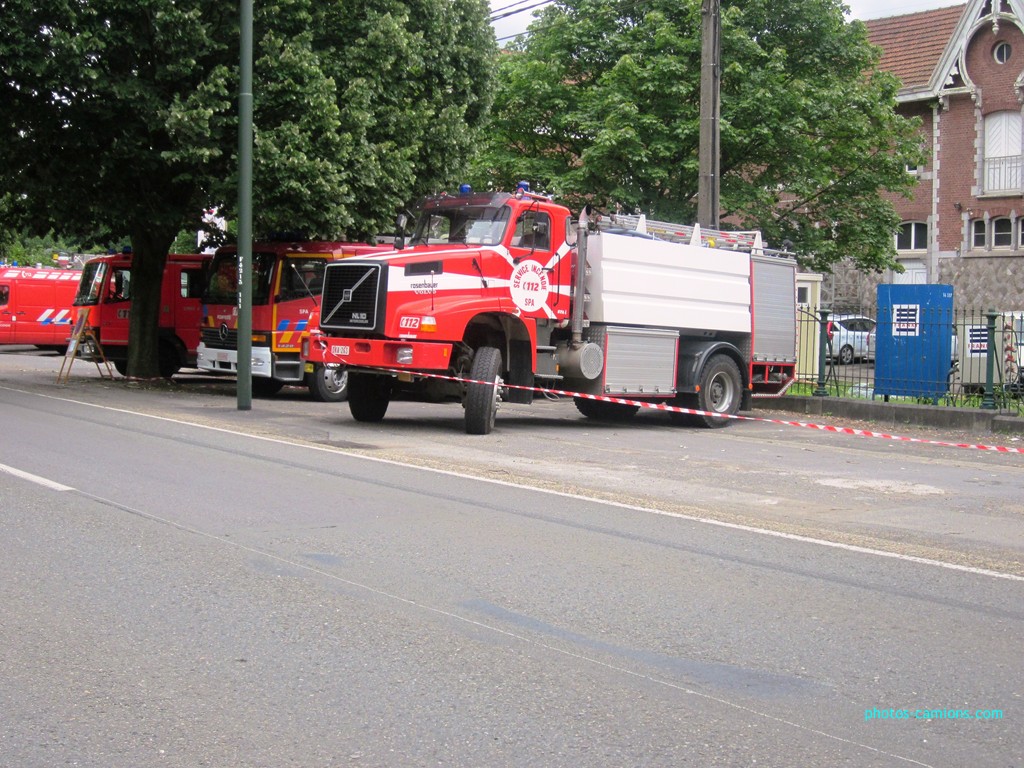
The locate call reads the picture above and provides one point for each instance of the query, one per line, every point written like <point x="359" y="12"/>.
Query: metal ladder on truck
<point x="749" y="241"/>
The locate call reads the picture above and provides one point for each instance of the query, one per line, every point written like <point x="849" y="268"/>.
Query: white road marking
<point x="621" y="505"/>
<point x="51" y="484"/>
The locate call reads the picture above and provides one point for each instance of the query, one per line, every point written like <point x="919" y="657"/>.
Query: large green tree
<point x="601" y="103"/>
<point x="122" y="115"/>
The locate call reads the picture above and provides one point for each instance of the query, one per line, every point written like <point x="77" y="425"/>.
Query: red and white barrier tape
<point x="695" y="412"/>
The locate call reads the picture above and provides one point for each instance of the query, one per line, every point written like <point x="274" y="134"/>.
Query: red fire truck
<point x="105" y="292"/>
<point x="35" y="306"/>
<point x="287" y="279"/>
<point x="501" y="291"/>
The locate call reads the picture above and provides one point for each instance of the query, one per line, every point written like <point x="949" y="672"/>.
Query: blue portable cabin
<point x="915" y="342"/>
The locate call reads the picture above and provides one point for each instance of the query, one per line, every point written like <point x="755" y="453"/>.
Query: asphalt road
<point x="187" y="584"/>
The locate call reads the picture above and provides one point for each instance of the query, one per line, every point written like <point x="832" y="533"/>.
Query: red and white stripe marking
<point x="737" y="417"/>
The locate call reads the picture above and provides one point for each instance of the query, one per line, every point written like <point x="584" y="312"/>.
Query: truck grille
<point x="353" y="296"/>
<point x="214" y="338"/>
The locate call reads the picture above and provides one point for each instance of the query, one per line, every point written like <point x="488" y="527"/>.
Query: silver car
<point x="852" y="338"/>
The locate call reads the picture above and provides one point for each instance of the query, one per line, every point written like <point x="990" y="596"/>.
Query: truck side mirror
<point x="400" y="222"/>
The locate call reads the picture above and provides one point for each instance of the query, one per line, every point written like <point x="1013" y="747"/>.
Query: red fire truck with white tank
<point x="105" y="293"/>
<point x="287" y="277"/>
<point x="498" y="293"/>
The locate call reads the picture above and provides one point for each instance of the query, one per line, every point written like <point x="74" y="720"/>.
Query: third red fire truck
<point x="287" y="278"/>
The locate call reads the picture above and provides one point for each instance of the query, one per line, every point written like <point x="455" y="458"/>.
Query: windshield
<point x="302" y="277"/>
<point x="90" y="285"/>
<point x="465" y="225"/>
<point x="223" y="286"/>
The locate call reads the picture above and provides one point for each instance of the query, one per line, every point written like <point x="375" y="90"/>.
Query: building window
<point x="1002" y="233"/>
<point x="978" y="240"/>
<point x="913" y="236"/>
<point x="1001" y="52"/>
<point x="1003" y="152"/>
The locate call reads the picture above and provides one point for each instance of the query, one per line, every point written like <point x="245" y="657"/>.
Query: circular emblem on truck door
<point x="529" y="286"/>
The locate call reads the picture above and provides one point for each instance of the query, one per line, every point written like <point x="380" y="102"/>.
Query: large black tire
<point x="328" y="385"/>
<point x="721" y="390"/>
<point x="263" y="386"/>
<point x="168" y="359"/>
<point x="599" y="410"/>
<point x="482" y="399"/>
<point x="121" y="366"/>
<point x="369" y="396"/>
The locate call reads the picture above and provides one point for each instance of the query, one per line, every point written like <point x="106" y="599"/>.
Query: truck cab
<point x="105" y="291"/>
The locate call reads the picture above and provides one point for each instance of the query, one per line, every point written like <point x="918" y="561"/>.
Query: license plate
<point x="340" y="350"/>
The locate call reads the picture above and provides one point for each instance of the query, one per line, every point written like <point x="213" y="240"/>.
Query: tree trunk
<point x="149" y="251"/>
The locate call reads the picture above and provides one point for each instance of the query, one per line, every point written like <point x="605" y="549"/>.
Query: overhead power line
<point x="501" y="13"/>
<point x="510" y="6"/>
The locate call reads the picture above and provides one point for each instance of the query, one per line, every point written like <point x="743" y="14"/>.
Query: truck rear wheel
<point x="328" y="385"/>
<point x="482" y="399"/>
<point x="721" y="391"/>
<point x="369" y="396"/>
<point x="602" y="411"/>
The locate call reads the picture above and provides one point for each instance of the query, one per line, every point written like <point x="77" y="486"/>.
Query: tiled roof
<point x="913" y="44"/>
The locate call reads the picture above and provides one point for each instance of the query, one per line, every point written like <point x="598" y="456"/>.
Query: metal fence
<point x="914" y="354"/>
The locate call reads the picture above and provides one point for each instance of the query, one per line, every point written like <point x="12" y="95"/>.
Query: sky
<point x="521" y="11"/>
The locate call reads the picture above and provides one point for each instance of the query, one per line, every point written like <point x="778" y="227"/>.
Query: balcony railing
<point x="1003" y="174"/>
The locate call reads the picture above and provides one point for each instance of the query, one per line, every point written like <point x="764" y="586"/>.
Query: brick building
<point x="962" y="74"/>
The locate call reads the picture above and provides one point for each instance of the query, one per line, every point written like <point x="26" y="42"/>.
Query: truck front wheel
<point x="482" y="398"/>
<point x="721" y="391"/>
<point x="266" y="387"/>
<point x="369" y="396"/>
<point x="328" y="385"/>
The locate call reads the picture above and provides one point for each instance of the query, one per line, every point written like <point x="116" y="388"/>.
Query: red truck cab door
<point x="186" y="307"/>
<point x="115" y="306"/>
<point x="541" y="266"/>
<point x="6" y="315"/>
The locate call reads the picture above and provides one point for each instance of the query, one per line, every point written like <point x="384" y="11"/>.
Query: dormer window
<point x="1001" y="52"/>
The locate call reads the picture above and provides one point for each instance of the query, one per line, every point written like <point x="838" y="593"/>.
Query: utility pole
<point x="244" y="344"/>
<point x="710" y="110"/>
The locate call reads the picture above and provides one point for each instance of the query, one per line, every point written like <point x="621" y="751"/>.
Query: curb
<point x="896" y="415"/>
